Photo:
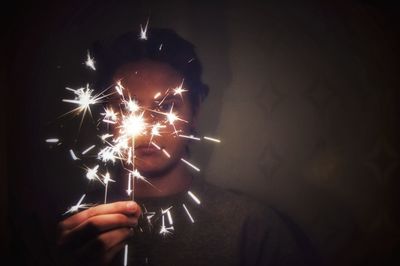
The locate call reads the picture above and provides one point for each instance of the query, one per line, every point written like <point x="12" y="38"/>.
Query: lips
<point x="145" y="149"/>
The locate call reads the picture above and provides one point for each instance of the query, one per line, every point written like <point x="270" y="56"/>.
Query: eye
<point x="166" y="106"/>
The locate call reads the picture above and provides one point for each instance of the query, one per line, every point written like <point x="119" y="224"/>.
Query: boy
<point x="226" y="229"/>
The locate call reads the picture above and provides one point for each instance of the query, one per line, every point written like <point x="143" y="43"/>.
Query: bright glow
<point x="143" y="31"/>
<point x="90" y="61"/>
<point x="53" y="140"/>
<point x="179" y="90"/>
<point x="78" y="206"/>
<point x="211" y="139"/>
<point x="129" y="190"/>
<point x="106" y="136"/>
<point x="132" y="105"/>
<point x="74" y="157"/>
<point x="119" y="88"/>
<point x="165" y="230"/>
<point x="91" y="173"/>
<point x="133" y="125"/>
<point x="188" y="213"/>
<point x="191" y="165"/>
<point x="88" y="149"/>
<point x="196" y="199"/>
<point x="189" y="137"/>
<point x="166" y="153"/>
<point x="126" y="255"/>
<point x="157" y="95"/>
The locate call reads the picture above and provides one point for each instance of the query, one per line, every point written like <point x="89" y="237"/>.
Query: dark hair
<point x="175" y="51"/>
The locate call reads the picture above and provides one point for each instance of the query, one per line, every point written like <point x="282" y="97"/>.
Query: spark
<point x="84" y="99"/>
<point x="129" y="160"/>
<point x="74" y="157"/>
<point x="179" y="90"/>
<point x="126" y="255"/>
<point x="90" y="61"/>
<point x="191" y="165"/>
<point x="88" y="149"/>
<point x="78" y="206"/>
<point x="132" y="105"/>
<point x="129" y="190"/>
<point x="157" y="95"/>
<point x="119" y="88"/>
<point x="138" y="176"/>
<point x="109" y="121"/>
<point x="196" y="199"/>
<point x="166" y="153"/>
<point x="107" y="154"/>
<point x="155" y="129"/>
<point x="166" y="210"/>
<point x="109" y="114"/>
<point x="212" y="139"/>
<point x="159" y="48"/>
<point x="148" y="215"/>
<point x="189" y="137"/>
<point x="106" y="180"/>
<point x="190" y="60"/>
<point x="91" y="173"/>
<point x="171" y="222"/>
<point x="165" y="230"/>
<point x="53" y="140"/>
<point x="155" y="145"/>
<point x="172" y="117"/>
<point x="143" y="32"/>
<point x="106" y="136"/>
<point x="133" y="125"/>
<point x="188" y="213"/>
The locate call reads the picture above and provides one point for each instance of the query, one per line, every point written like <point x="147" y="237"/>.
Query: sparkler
<point x="88" y="149"/>
<point x="212" y="139"/>
<point x="90" y="61"/>
<point x="194" y="197"/>
<point x="125" y="122"/>
<point x="53" y="140"/>
<point x="78" y="206"/>
<point x="143" y="32"/>
<point x="191" y="165"/>
<point x="106" y="180"/>
<point x="188" y="213"/>
<point x="74" y="157"/>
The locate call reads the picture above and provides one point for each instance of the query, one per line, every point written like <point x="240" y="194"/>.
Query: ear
<point x="195" y="116"/>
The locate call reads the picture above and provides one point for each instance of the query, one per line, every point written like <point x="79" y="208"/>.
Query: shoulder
<point x="233" y="202"/>
<point x="275" y="235"/>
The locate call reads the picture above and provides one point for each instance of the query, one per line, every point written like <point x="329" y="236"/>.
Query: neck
<point x="177" y="180"/>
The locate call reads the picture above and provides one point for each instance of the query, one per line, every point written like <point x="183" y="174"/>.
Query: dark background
<point x="304" y="95"/>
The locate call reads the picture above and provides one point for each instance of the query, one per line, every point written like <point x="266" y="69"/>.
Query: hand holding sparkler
<point x="94" y="236"/>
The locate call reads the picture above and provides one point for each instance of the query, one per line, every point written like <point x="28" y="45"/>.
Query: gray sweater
<point x="228" y="229"/>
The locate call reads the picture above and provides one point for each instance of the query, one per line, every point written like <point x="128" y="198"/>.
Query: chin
<point x="154" y="169"/>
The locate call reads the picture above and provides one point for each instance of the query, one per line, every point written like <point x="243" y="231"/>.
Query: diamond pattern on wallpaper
<point x="319" y="94"/>
<point x="383" y="160"/>
<point x="269" y="98"/>
<point x="269" y="161"/>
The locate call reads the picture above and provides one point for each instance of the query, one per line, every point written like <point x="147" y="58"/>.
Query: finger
<point x="97" y="249"/>
<point x="95" y="226"/>
<point x="125" y="207"/>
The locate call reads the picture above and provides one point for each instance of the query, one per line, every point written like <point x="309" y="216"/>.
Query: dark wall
<point x="304" y="96"/>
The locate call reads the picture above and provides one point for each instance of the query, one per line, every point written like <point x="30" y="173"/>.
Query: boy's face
<point x="147" y="82"/>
